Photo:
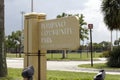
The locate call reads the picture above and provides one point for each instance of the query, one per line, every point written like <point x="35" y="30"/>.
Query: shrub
<point x="105" y="54"/>
<point x="114" y="59"/>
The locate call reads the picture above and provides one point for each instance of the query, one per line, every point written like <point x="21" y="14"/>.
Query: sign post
<point x="41" y="35"/>
<point x="90" y="26"/>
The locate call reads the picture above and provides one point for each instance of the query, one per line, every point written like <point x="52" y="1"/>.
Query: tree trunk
<point x="111" y="41"/>
<point x="64" y="54"/>
<point x="3" y="66"/>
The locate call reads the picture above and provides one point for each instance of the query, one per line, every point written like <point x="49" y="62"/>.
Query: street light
<point x="22" y="13"/>
<point x="31" y="5"/>
<point x="21" y="42"/>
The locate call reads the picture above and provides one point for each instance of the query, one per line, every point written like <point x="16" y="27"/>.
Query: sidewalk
<point x="92" y="70"/>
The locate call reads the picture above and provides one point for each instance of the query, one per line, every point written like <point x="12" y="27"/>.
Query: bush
<point x="105" y="54"/>
<point x="114" y="59"/>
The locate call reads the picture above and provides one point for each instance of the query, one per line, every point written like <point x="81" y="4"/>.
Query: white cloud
<point x="51" y="8"/>
<point x="93" y="15"/>
<point x="89" y="8"/>
<point x="93" y="4"/>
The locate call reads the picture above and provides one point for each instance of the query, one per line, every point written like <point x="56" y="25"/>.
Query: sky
<point x="91" y="9"/>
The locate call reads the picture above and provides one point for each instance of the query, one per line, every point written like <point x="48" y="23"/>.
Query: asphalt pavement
<point x="63" y="65"/>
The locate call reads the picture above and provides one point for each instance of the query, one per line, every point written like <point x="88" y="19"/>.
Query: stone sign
<point x="61" y="33"/>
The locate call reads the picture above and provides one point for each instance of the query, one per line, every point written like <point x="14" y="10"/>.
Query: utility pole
<point x="21" y="35"/>
<point x="111" y="41"/>
<point x="22" y="15"/>
<point x="31" y="5"/>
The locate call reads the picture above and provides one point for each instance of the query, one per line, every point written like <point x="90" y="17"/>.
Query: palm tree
<point x="83" y="31"/>
<point x="3" y="67"/>
<point x="13" y="41"/>
<point x="111" y="11"/>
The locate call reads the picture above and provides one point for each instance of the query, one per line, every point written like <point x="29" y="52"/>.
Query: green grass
<point x="63" y="75"/>
<point x="15" y="74"/>
<point x="14" y="55"/>
<point x="58" y="56"/>
<point x="99" y="66"/>
<point x="72" y="56"/>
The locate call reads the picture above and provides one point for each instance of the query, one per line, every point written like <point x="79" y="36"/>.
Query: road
<point x="57" y="65"/>
<point x="15" y="62"/>
<point x="60" y="65"/>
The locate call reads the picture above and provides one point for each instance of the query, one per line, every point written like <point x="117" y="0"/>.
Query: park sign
<point x="41" y="35"/>
<point x="61" y="33"/>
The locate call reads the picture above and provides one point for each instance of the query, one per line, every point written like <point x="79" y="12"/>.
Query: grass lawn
<point x="72" y="56"/>
<point x="58" y="56"/>
<point x="14" y="55"/>
<point x="15" y="74"/>
<point x="99" y="66"/>
<point x="62" y="75"/>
